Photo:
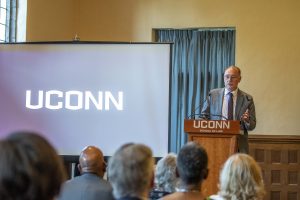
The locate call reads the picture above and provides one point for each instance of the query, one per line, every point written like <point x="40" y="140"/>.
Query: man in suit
<point x="233" y="104"/>
<point x="131" y="172"/>
<point x="90" y="185"/>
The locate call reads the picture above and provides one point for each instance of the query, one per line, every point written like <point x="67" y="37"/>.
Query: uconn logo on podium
<point x="74" y="100"/>
<point x="212" y="124"/>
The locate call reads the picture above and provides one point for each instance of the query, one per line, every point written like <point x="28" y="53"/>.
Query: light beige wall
<point x="51" y="20"/>
<point x="267" y="48"/>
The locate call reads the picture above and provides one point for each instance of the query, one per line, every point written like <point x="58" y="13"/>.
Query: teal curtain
<point x="199" y="58"/>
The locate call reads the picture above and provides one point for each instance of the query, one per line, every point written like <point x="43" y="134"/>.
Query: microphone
<point x="203" y="115"/>
<point x="208" y="116"/>
<point x="222" y="116"/>
<point x="193" y="114"/>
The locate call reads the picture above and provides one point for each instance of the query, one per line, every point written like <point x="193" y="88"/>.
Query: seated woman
<point x="165" y="177"/>
<point x="192" y="169"/>
<point x="240" y="179"/>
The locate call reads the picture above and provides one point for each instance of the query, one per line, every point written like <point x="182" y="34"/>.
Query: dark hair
<point x="30" y="168"/>
<point x="192" y="163"/>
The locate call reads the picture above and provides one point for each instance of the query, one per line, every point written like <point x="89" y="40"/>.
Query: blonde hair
<point x="241" y="179"/>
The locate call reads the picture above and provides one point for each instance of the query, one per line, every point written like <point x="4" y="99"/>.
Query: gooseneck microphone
<point x="204" y="115"/>
<point x="207" y="116"/>
<point x="193" y="114"/>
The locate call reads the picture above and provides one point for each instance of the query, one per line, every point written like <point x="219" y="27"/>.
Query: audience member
<point x="131" y="172"/>
<point x="192" y="170"/>
<point x="90" y="185"/>
<point x="240" y="179"/>
<point x="30" y="168"/>
<point x="166" y="179"/>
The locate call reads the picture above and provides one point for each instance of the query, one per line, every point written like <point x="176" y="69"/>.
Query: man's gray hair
<point x="130" y="170"/>
<point x="235" y="68"/>
<point x="165" y="173"/>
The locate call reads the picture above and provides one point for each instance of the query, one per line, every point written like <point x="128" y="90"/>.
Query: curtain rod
<point x="201" y="29"/>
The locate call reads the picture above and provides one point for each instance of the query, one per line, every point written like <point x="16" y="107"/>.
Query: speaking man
<point x="231" y="103"/>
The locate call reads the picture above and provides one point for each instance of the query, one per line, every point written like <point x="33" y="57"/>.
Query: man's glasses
<point x="227" y="77"/>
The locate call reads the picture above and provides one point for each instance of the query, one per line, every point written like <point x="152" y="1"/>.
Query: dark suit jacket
<point x="88" y="186"/>
<point x="212" y="108"/>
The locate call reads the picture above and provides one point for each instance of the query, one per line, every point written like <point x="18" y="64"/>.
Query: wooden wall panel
<point x="279" y="158"/>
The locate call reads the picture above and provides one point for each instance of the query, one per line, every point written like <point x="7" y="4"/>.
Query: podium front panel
<point x="219" y="138"/>
<point x="219" y="148"/>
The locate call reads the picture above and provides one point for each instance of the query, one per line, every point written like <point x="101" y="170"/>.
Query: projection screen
<point x="79" y="94"/>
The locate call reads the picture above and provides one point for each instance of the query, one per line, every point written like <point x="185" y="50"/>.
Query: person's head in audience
<point x="241" y="178"/>
<point x="192" y="163"/>
<point x="30" y="168"/>
<point x="131" y="171"/>
<point x="166" y="179"/>
<point x="165" y="173"/>
<point x="90" y="185"/>
<point x="91" y="160"/>
<point x="192" y="170"/>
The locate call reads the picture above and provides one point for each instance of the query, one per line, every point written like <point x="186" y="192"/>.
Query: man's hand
<point x="245" y="116"/>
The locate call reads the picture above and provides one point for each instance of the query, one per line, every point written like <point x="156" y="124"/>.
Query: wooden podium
<point x="219" y="138"/>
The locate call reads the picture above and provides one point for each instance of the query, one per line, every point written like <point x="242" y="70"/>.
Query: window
<point x="3" y="12"/>
<point x="8" y="13"/>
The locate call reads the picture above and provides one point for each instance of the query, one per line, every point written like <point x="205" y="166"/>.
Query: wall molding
<point x="274" y="139"/>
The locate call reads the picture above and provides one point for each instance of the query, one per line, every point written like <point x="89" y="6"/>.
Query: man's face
<point x="231" y="79"/>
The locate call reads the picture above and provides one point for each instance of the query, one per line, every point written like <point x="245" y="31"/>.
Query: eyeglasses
<point x="227" y="77"/>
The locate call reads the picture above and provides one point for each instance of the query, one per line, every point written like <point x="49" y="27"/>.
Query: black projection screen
<point x="79" y="94"/>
